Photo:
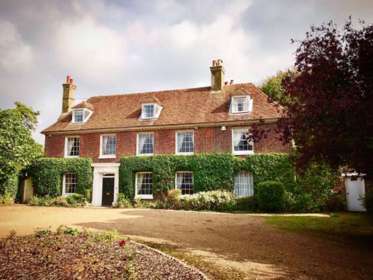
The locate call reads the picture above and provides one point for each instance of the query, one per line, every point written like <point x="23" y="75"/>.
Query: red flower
<point x="122" y="243"/>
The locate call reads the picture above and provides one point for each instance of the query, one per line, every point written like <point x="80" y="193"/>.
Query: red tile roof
<point x="194" y="106"/>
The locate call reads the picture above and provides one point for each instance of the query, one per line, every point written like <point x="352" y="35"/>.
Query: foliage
<point x="333" y="82"/>
<point x="73" y="200"/>
<point x="248" y="203"/>
<point x="17" y="147"/>
<point x="47" y="174"/>
<point x="271" y="196"/>
<point x="218" y="200"/>
<point x="273" y="87"/>
<point x="122" y="202"/>
<point x="210" y="171"/>
<point x="369" y="196"/>
<point x="6" y="199"/>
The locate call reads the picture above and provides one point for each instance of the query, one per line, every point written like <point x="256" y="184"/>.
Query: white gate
<point x="355" y="193"/>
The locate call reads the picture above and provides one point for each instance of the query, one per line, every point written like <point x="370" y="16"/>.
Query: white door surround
<point x="99" y="170"/>
<point x="355" y="193"/>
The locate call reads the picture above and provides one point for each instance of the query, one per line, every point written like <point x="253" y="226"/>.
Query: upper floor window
<point x="184" y="182"/>
<point x="69" y="183"/>
<point x="81" y="115"/>
<point x="72" y="146"/>
<point x="241" y="104"/>
<point x="243" y="185"/>
<point x="145" y="143"/>
<point x="144" y="185"/>
<point x="150" y="111"/>
<point x="241" y="143"/>
<point x="184" y="142"/>
<point x="108" y="146"/>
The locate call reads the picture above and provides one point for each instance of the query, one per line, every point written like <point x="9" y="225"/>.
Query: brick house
<point x="213" y="119"/>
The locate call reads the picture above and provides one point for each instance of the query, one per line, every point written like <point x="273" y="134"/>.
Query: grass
<point x="342" y="225"/>
<point x="212" y="270"/>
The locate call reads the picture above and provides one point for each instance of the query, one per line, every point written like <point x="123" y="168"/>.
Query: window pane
<point x="243" y="185"/>
<point x="146" y="143"/>
<point x="185" y="142"/>
<point x="70" y="183"/>
<point x="144" y="183"/>
<point x="78" y="116"/>
<point x="184" y="182"/>
<point x="109" y="143"/>
<point x="241" y="141"/>
<point x="148" y="111"/>
<point x="73" y="146"/>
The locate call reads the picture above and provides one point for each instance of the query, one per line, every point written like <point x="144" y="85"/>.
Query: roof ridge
<point x="164" y="91"/>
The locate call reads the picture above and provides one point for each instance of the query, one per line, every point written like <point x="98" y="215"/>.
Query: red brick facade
<point x="206" y="140"/>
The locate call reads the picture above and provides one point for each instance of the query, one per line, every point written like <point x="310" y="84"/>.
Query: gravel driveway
<point x="239" y="241"/>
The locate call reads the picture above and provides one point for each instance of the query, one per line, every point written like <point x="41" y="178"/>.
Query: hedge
<point x="47" y="174"/>
<point x="210" y="171"/>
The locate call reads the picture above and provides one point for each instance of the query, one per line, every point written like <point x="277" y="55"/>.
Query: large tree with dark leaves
<point x="330" y="99"/>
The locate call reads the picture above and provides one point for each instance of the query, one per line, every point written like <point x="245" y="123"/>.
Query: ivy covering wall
<point x="210" y="171"/>
<point x="47" y="174"/>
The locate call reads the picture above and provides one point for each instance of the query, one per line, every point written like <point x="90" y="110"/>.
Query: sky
<point x="112" y="47"/>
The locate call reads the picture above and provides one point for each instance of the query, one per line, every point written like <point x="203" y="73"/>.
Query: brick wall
<point x="207" y="140"/>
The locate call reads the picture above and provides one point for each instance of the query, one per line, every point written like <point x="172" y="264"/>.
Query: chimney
<point x="217" y="75"/>
<point x="68" y="94"/>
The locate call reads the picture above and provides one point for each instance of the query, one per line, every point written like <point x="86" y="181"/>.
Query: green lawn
<point x="350" y="225"/>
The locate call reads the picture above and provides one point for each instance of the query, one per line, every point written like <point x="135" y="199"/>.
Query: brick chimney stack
<point x="217" y="75"/>
<point x="68" y="94"/>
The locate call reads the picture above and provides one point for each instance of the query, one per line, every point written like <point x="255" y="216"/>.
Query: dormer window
<point x="150" y="111"/>
<point x="81" y="115"/>
<point x="241" y="104"/>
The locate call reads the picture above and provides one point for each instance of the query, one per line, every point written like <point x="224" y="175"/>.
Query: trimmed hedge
<point x="47" y="175"/>
<point x="210" y="171"/>
<point x="271" y="196"/>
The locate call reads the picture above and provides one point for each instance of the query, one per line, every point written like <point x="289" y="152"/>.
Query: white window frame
<point x="84" y="110"/>
<point x="184" y="153"/>
<point x="251" y="183"/>
<point x="138" y="142"/>
<point x="64" y="193"/>
<point x="233" y="107"/>
<point x="241" y="152"/>
<point x="176" y="187"/>
<point x="66" y="144"/>
<point x="157" y="111"/>
<point x="143" y="196"/>
<point x="116" y="144"/>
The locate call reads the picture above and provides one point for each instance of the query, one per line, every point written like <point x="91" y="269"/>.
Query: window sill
<point x="67" y="194"/>
<point x="71" y="156"/>
<point x="107" y="156"/>
<point x="144" y="196"/>
<point x="184" y="154"/>
<point x="144" y="155"/>
<point x="243" y="153"/>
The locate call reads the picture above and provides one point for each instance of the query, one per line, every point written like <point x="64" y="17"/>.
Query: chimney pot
<point x="217" y="75"/>
<point x="68" y="98"/>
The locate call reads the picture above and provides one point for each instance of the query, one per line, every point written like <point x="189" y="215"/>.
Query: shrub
<point x="41" y="201"/>
<point x="76" y="200"/>
<point x="6" y="199"/>
<point x="123" y="202"/>
<point x="271" y="196"/>
<point x="336" y="202"/>
<point x="246" y="204"/>
<point x="219" y="200"/>
<point x="369" y="197"/>
<point x="47" y="174"/>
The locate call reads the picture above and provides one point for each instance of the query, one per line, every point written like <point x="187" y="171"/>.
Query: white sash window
<point x="144" y="185"/>
<point x="72" y="146"/>
<point x="243" y="185"/>
<point x="184" y="182"/>
<point x="185" y="142"/>
<point x="145" y="144"/>
<point x="108" y="146"/>
<point x="241" y="145"/>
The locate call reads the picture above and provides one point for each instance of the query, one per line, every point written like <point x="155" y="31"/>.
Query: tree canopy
<point x="273" y="86"/>
<point x="17" y="147"/>
<point x="330" y="99"/>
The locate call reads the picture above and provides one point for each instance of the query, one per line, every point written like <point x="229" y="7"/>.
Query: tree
<point x="273" y="86"/>
<point x="330" y="100"/>
<point x="17" y="147"/>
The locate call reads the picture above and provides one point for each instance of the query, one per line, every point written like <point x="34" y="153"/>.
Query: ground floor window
<point x="144" y="185"/>
<point x="243" y="184"/>
<point x="184" y="182"/>
<point x="69" y="183"/>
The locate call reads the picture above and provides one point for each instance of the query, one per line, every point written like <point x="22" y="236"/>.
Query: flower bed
<point x="70" y="254"/>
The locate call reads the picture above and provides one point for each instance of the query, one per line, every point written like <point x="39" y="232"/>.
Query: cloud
<point x="124" y="46"/>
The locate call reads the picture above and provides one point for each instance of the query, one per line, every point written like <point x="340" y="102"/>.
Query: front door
<point x="107" y="191"/>
<point x="355" y="192"/>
